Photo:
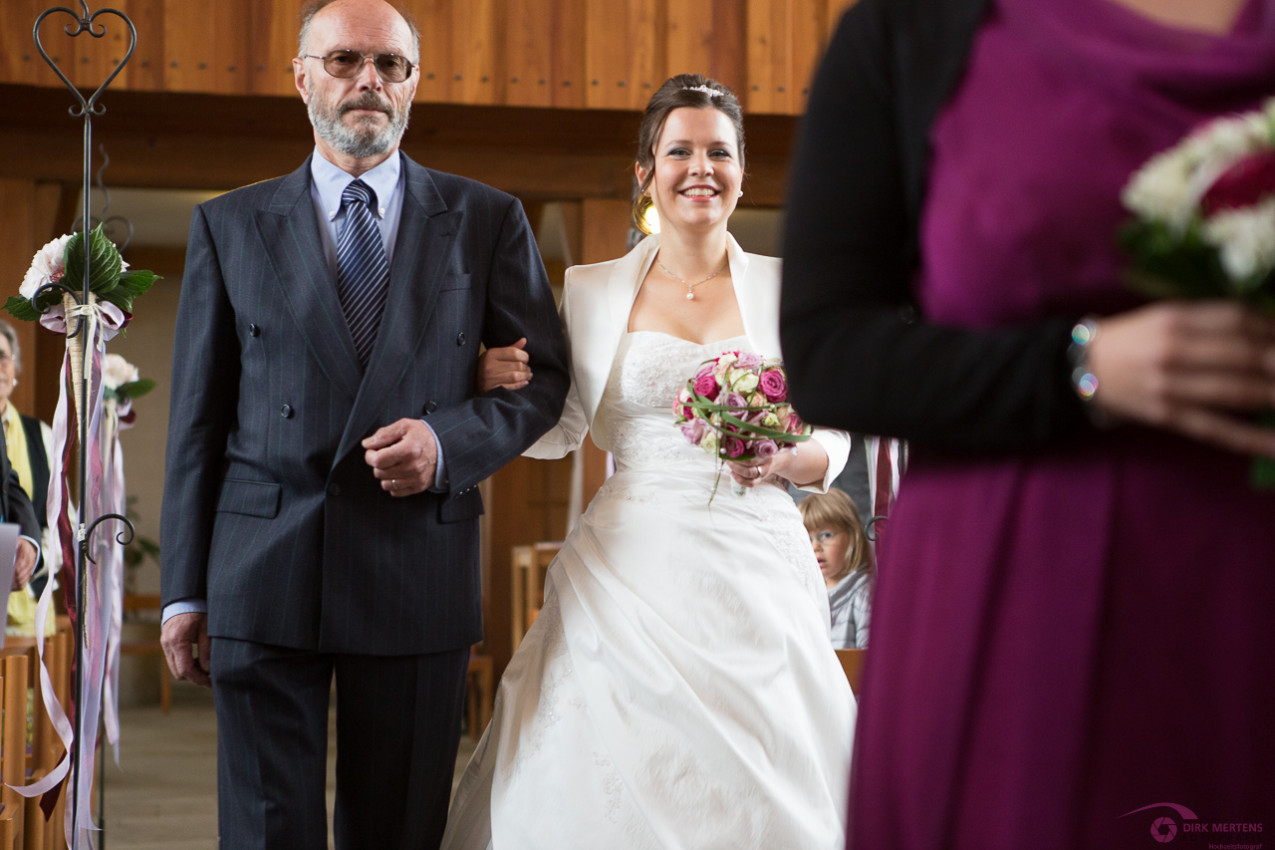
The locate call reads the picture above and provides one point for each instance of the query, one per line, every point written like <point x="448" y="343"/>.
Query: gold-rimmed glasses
<point x="344" y="64"/>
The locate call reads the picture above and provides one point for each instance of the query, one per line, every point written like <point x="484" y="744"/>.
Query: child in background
<point x="845" y="559"/>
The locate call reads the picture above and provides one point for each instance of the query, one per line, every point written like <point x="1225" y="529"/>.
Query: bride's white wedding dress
<point x="678" y="689"/>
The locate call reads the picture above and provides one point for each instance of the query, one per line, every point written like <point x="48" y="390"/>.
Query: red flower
<point x="1244" y="184"/>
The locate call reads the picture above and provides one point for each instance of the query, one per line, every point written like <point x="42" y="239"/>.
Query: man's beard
<point x="362" y="139"/>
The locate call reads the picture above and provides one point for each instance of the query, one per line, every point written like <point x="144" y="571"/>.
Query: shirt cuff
<point x="440" y="471"/>
<point x="184" y="606"/>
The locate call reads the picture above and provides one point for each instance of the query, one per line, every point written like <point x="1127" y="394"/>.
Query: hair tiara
<point x="711" y="92"/>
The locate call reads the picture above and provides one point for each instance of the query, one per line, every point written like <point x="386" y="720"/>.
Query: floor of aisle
<point x="163" y="793"/>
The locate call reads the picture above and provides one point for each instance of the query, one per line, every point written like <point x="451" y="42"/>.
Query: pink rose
<point x="734" y="447"/>
<point x="1242" y="185"/>
<point x="763" y="449"/>
<point x="694" y="431"/>
<point x="773" y="385"/>
<point x="706" y="385"/>
<point x="735" y="401"/>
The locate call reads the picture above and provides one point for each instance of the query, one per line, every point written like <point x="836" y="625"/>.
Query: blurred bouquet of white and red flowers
<point x="1203" y="221"/>
<point x="735" y="407"/>
<point x="1204" y="213"/>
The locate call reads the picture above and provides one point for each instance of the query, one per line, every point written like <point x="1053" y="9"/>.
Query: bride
<point x="678" y="688"/>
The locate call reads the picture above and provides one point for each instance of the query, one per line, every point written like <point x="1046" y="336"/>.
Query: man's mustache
<point x="367" y="101"/>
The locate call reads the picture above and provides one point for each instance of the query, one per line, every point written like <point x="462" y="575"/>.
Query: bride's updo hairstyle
<point x="685" y="90"/>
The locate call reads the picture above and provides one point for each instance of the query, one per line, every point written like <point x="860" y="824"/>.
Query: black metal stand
<point x="84" y="22"/>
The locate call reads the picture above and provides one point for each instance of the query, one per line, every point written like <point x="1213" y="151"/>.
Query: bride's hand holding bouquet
<point x="736" y="408"/>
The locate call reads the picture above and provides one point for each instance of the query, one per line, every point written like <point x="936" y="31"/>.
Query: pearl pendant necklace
<point x="690" y="287"/>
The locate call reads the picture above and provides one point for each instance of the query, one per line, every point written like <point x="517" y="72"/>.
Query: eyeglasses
<point x="345" y="64"/>
<point x="822" y="537"/>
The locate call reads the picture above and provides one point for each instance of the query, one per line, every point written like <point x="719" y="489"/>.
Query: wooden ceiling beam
<point x="190" y="141"/>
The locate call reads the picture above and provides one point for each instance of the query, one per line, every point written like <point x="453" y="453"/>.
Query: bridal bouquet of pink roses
<point x="1203" y="222"/>
<point x="735" y="407"/>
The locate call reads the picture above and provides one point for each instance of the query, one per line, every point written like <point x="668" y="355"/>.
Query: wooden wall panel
<point x="599" y="54"/>
<point x="570" y="27"/>
<point x="707" y="38"/>
<point x="625" y="52"/>
<point x="145" y="70"/>
<point x="478" y="33"/>
<point x="61" y="48"/>
<point x="529" y="47"/>
<point x="438" y="64"/>
<point x="232" y="36"/>
<point x="274" y="45"/>
<point x="808" y="34"/>
<point x="97" y="50"/>
<point x="188" y="47"/>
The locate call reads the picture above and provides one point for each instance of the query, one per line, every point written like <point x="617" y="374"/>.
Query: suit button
<point x="286" y="411"/>
<point x="253" y="330"/>
<point x="460" y="339"/>
<point x="430" y="407"/>
<point x="334" y="489"/>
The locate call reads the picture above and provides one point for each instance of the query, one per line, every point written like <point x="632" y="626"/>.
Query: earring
<point x="741" y="193"/>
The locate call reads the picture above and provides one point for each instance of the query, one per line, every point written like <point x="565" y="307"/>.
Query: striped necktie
<point x="362" y="271"/>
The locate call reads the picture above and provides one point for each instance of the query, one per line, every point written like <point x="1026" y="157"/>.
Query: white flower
<point x="1245" y="239"/>
<point x="1161" y="190"/>
<point x="116" y="372"/>
<point x="1169" y="186"/>
<point x="47" y="266"/>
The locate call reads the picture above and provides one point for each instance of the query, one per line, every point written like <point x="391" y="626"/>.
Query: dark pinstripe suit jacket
<point x="270" y="512"/>
<point x="15" y="503"/>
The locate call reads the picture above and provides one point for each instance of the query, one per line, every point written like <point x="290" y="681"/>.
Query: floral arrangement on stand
<point x="735" y="407"/>
<point x="1203" y="222"/>
<point x="121" y="383"/>
<point x="51" y="293"/>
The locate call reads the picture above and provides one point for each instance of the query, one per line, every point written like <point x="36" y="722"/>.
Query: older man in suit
<point x="325" y="447"/>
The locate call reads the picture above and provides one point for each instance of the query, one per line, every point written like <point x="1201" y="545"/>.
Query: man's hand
<point x="403" y="457"/>
<point x="23" y="564"/>
<point x="180" y="636"/>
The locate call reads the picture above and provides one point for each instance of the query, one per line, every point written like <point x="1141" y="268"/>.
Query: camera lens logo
<point x="1164" y="829"/>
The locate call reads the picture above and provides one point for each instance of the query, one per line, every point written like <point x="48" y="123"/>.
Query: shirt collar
<point x="331" y="182"/>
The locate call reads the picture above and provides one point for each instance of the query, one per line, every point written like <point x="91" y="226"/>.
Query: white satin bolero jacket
<point x="596" y="302"/>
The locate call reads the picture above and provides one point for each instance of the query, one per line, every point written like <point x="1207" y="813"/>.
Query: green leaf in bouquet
<point x="1171" y="265"/>
<point x="132" y="283"/>
<point x="104" y="259"/>
<point x="20" y="308"/>
<point x="136" y="389"/>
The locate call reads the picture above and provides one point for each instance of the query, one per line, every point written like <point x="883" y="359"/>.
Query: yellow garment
<point x="21" y="620"/>
<point x="15" y="438"/>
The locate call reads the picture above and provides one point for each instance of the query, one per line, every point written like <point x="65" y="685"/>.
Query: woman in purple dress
<point x="1075" y="614"/>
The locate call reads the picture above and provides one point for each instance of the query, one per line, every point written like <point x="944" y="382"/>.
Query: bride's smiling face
<point x="697" y="170"/>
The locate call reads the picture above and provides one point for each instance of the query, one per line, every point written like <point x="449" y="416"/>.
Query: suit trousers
<point x="398" y="724"/>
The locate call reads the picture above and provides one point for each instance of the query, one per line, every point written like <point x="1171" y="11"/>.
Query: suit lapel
<point x="426" y="232"/>
<point x="290" y="235"/>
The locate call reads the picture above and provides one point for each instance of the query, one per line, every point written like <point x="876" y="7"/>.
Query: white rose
<point x="1245" y="239"/>
<point x="47" y="265"/>
<point x="116" y="371"/>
